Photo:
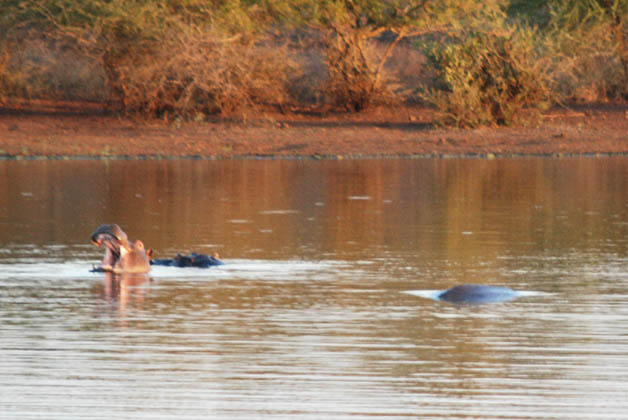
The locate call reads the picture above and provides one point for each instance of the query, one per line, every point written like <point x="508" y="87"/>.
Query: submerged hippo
<point x="191" y="260"/>
<point x="477" y="294"/>
<point x="121" y="255"/>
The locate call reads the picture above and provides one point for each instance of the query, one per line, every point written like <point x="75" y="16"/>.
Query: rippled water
<point x="308" y="319"/>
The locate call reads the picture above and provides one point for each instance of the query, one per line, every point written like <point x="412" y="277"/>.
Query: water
<point x="310" y="318"/>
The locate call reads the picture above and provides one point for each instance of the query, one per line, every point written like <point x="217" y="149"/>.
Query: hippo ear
<point x="139" y="244"/>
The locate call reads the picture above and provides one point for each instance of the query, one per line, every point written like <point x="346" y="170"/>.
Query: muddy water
<point x="308" y="318"/>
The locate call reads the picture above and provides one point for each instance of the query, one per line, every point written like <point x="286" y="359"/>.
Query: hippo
<point x="191" y="260"/>
<point x="472" y="294"/>
<point x="121" y="255"/>
<point x="476" y="294"/>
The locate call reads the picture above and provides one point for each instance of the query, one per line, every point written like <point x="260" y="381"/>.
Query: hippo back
<point x="477" y="294"/>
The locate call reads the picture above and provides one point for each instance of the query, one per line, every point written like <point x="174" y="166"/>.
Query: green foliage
<point x="351" y="29"/>
<point x="587" y="48"/>
<point x="574" y="14"/>
<point x="533" y="12"/>
<point x="485" y="78"/>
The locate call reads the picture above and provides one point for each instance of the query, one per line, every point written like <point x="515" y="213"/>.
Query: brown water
<point x="308" y="318"/>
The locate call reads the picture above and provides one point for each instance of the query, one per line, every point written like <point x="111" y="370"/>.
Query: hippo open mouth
<point x="112" y="238"/>
<point x="121" y="255"/>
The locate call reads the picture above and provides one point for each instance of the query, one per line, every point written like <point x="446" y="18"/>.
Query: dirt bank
<point x="80" y="131"/>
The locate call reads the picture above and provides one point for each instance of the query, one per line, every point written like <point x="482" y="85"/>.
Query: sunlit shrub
<point x="354" y="82"/>
<point x="586" y="49"/>
<point x="4" y="60"/>
<point x="489" y="62"/>
<point x="485" y="78"/>
<point x="50" y="69"/>
<point x="200" y="71"/>
<point x="585" y="66"/>
<point x="356" y="70"/>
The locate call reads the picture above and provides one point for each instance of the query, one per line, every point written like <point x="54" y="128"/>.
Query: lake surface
<point x="308" y="319"/>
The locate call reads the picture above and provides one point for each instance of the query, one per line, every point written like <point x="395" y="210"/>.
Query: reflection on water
<point x="308" y="319"/>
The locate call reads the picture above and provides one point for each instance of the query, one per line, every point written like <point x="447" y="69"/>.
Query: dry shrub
<point x="586" y="65"/>
<point x="4" y="60"/>
<point x="39" y="67"/>
<point x="354" y="81"/>
<point x="406" y="70"/>
<point x="586" y="49"/>
<point x="308" y="51"/>
<point x="195" y="71"/>
<point x="486" y="78"/>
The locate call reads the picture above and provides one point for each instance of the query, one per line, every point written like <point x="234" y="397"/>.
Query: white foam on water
<point x="271" y="270"/>
<point x="428" y="294"/>
<point x="279" y="211"/>
<point x="49" y="270"/>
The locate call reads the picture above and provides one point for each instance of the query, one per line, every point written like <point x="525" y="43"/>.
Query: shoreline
<point x="18" y="158"/>
<point x="384" y="132"/>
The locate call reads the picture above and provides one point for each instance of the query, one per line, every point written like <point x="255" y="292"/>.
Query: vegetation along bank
<point x="418" y="70"/>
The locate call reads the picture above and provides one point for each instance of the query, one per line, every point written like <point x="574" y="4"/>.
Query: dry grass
<point x="38" y="67"/>
<point x="201" y="72"/>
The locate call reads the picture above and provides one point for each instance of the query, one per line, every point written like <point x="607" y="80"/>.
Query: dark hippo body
<point x="477" y="294"/>
<point x="191" y="260"/>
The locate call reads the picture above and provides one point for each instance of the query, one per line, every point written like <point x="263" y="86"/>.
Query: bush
<point x="485" y="78"/>
<point x="585" y="65"/>
<point x="176" y="57"/>
<point x="50" y="69"/>
<point x="586" y="49"/>
<point x="352" y="29"/>
<point x="198" y="71"/>
<point x="191" y="57"/>
<point x="4" y="61"/>
<point x="354" y="82"/>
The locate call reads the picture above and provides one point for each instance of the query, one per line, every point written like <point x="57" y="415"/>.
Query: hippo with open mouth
<point x="121" y="255"/>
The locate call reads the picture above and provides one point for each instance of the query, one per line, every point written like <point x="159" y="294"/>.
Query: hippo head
<point x="121" y="255"/>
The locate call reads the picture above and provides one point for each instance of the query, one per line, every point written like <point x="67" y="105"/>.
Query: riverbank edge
<point x="408" y="132"/>
<point x="143" y="157"/>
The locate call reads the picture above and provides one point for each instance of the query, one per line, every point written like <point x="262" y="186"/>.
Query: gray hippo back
<point x="477" y="294"/>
